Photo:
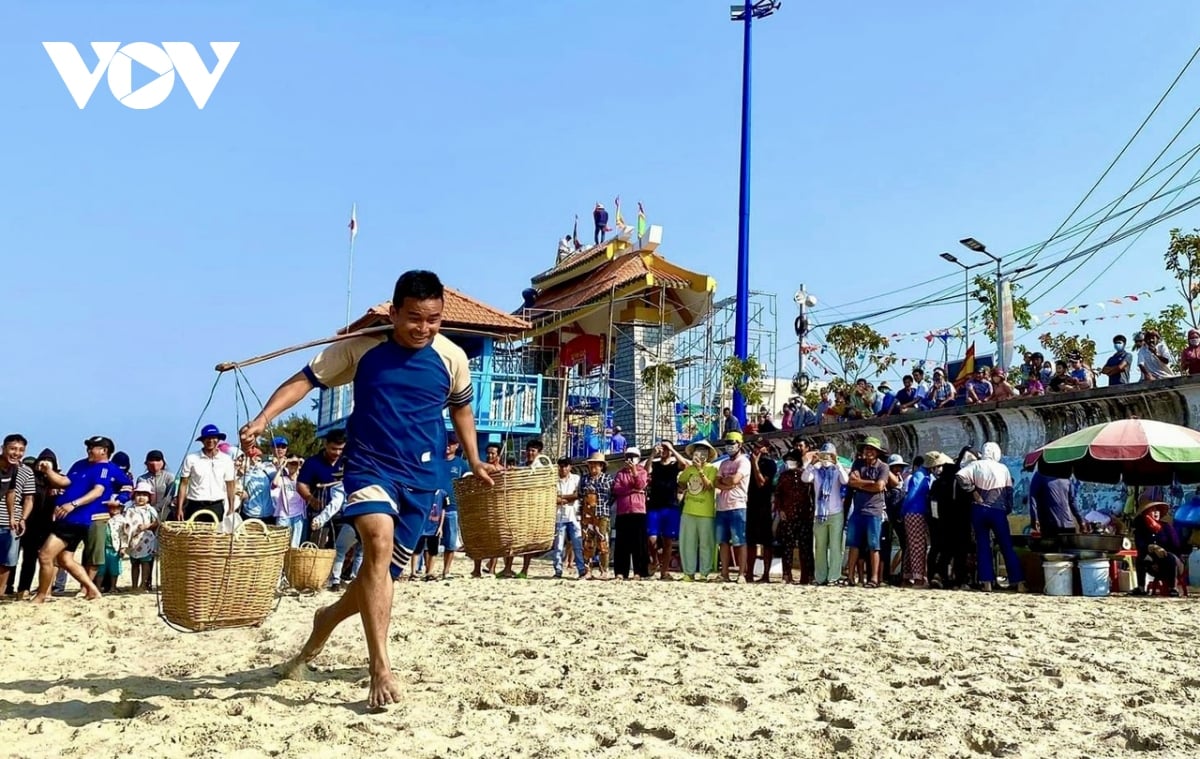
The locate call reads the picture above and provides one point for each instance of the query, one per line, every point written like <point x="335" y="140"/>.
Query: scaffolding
<point x="701" y="353"/>
<point x="581" y="407"/>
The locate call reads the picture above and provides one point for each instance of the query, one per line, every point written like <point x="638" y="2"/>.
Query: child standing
<point x="141" y="520"/>
<point x="115" y="535"/>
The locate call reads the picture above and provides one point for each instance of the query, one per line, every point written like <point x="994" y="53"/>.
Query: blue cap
<point x="210" y="430"/>
<point x="279" y="441"/>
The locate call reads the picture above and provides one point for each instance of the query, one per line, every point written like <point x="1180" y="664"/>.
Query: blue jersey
<point x="396" y="432"/>
<point x="84" y="476"/>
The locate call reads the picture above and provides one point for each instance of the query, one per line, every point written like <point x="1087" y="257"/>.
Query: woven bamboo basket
<point x="512" y="518"/>
<point x="211" y="580"/>
<point x="308" y="567"/>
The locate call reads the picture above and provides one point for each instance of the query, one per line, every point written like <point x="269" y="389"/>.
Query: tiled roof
<point x="461" y="311"/>
<point x="572" y="261"/>
<point x="615" y="273"/>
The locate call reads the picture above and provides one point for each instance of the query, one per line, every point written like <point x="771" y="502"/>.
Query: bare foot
<point x="90" y="596"/>
<point x="297" y="667"/>
<point x="384" y="691"/>
<point x="40" y="599"/>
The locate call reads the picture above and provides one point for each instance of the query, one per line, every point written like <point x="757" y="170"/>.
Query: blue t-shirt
<point x="455" y="468"/>
<point x="1120" y="357"/>
<point x="396" y="434"/>
<point x="886" y="401"/>
<point x="256" y="483"/>
<point x="84" y="476"/>
<point x="317" y="470"/>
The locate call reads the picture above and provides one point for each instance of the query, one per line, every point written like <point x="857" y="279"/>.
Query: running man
<point x="396" y="440"/>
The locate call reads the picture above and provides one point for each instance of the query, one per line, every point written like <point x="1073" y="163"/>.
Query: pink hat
<point x="143" y="487"/>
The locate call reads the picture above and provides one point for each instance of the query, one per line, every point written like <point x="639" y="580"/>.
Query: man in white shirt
<point x="208" y="478"/>
<point x="1154" y="359"/>
<point x="567" y="522"/>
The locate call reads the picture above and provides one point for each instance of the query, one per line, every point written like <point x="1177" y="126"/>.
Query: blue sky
<point x="150" y="245"/>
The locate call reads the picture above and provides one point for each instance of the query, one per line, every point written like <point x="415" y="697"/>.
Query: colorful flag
<point x="968" y="367"/>
<point x="353" y="222"/>
<point x="641" y="221"/>
<point x="575" y="233"/>
<point x="620" y="222"/>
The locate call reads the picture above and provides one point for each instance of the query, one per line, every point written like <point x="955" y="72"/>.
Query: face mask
<point x="790" y="464"/>
<point x="731" y="450"/>
<point x="1119" y="346"/>
<point x="1194" y="341"/>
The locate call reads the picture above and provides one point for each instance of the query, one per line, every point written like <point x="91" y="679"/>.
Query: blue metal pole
<point x="741" y="334"/>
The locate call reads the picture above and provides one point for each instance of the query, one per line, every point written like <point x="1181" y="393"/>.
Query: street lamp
<point x="745" y="13"/>
<point x="966" y="295"/>
<point x="972" y="244"/>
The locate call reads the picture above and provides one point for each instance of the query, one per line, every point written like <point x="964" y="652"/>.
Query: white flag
<point x="353" y="222"/>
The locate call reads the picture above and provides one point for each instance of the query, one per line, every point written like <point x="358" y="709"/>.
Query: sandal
<point x="871" y="585"/>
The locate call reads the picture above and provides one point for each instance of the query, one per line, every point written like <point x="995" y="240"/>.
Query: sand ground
<point x="566" y="668"/>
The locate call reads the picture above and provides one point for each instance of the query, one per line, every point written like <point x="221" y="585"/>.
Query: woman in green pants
<point x="828" y="477"/>
<point x="697" y="526"/>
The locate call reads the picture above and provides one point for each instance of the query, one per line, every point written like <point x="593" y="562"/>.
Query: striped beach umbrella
<point x="1133" y="451"/>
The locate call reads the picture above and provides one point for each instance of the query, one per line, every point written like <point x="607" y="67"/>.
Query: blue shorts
<point x="408" y="508"/>
<point x="731" y="527"/>
<point x="10" y="546"/>
<point x="663" y="523"/>
<point x="863" y="531"/>
<point x="450" y="531"/>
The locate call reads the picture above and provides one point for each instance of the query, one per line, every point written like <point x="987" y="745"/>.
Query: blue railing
<point x="503" y="403"/>
<point x="507" y="402"/>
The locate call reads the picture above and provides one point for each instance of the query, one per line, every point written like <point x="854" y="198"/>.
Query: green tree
<point x="985" y="293"/>
<point x="1183" y="261"/>
<point x="745" y="377"/>
<point x="1062" y="345"/>
<point x="300" y="431"/>
<point x="859" y="350"/>
<point x="1169" y="324"/>
<point x="660" y="377"/>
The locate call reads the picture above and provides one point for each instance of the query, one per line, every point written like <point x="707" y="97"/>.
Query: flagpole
<point x="350" y="272"/>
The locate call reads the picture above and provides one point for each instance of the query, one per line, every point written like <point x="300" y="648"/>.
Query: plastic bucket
<point x="1059" y="580"/>
<point x="1094" y="577"/>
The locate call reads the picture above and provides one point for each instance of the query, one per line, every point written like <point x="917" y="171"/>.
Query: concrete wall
<point x="1022" y="425"/>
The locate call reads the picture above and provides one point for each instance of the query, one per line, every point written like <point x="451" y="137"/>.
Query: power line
<point x="1022" y="254"/>
<point x="1142" y="126"/>
<point x="1112" y="263"/>
<point x="1119" y="255"/>
<point x="1161" y="153"/>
